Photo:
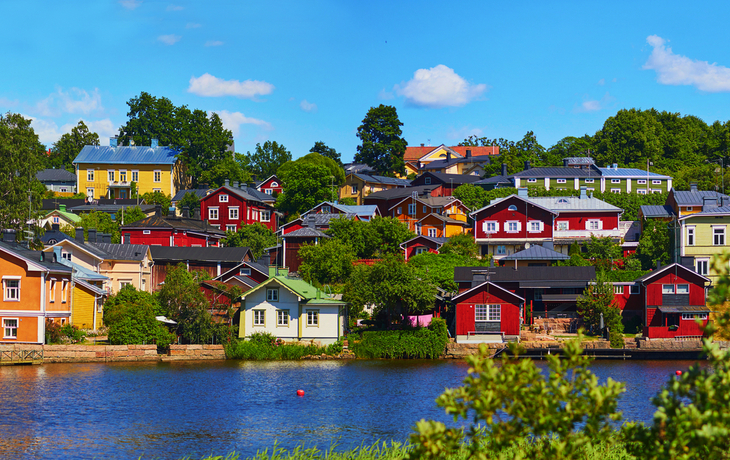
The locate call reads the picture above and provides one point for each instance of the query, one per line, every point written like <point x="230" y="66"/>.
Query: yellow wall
<point x="140" y="274"/>
<point x="145" y="184"/>
<point x="83" y="311"/>
<point x="703" y="245"/>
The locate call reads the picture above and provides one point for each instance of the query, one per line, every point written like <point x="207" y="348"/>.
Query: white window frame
<point x="157" y="175"/>
<point x="11" y="293"/>
<point x="223" y="198"/>
<point x="488" y="313"/>
<point x="259" y="317"/>
<point x="531" y="180"/>
<point x="691" y="235"/>
<point x="274" y="184"/>
<point x="272" y="294"/>
<point x="702" y="266"/>
<point x="245" y="271"/>
<point x="694" y="316"/>
<point x="641" y="191"/>
<point x="490" y="223"/>
<point x="535" y="226"/>
<point x="615" y="181"/>
<point x="563" y="225"/>
<point x="265" y="216"/>
<point x="594" y="225"/>
<point x="233" y="212"/>
<point x="135" y="175"/>
<point x="10" y="331"/>
<point x="589" y="181"/>
<point x="89" y="175"/>
<point x="213" y="213"/>
<point x="561" y="181"/>
<point x="683" y="289"/>
<point x="64" y="289"/>
<point x="718" y="235"/>
<point x="688" y="208"/>
<point x="269" y="191"/>
<point x="508" y="226"/>
<point x="146" y="232"/>
<point x="312" y="318"/>
<point x="412" y="209"/>
<point x="282" y="318"/>
<point x="231" y="228"/>
<point x="52" y="290"/>
<point x="656" y="182"/>
<point x="669" y="289"/>
<point x="432" y="232"/>
<point x="618" y="289"/>
<point x="353" y="189"/>
<point x="615" y="190"/>
<point x="123" y="283"/>
<point x="641" y="182"/>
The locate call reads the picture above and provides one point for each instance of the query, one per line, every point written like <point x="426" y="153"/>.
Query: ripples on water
<point x="170" y="410"/>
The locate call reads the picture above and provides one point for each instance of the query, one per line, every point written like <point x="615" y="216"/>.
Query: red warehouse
<point x="487" y="313"/>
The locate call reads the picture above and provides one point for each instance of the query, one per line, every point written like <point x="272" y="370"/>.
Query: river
<point x="171" y="410"/>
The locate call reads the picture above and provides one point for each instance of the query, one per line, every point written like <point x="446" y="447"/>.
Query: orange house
<point x="35" y="288"/>
<point x="437" y="217"/>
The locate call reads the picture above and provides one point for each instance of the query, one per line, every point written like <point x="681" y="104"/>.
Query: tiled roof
<point x="656" y="211"/>
<point x="55" y="175"/>
<point x="136" y="155"/>
<point x="207" y="254"/>
<point x="695" y="198"/>
<point x="122" y="251"/>
<point x="180" y="223"/>
<point x="536" y="252"/>
<point x="418" y="152"/>
<point x="630" y="172"/>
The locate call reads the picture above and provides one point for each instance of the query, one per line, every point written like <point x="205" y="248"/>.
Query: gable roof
<point x="199" y="192"/>
<point x="668" y="268"/>
<point x="432" y="201"/>
<point x="536" y="252"/>
<point x="298" y="287"/>
<point x="33" y="260"/>
<point x="531" y="276"/>
<point x="201" y="254"/>
<point x="176" y="222"/>
<point x="365" y="210"/>
<point x="66" y="215"/>
<point x="439" y="241"/>
<point x="502" y="200"/>
<point x="247" y="193"/>
<point x="656" y="211"/>
<point x="573" y="203"/>
<point x="129" y="155"/>
<point x="55" y="175"/>
<point x="383" y="180"/>
<point x="696" y="197"/>
<point x="84" y="247"/>
<point x="395" y="193"/>
<point x="123" y="251"/>
<point x="233" y="272"/>
<point x="418" y="152"/>
<point x="308" y="232"/>
<point x="718" y="211"/>
<point x="443" y="178"/>
<point x="489" y="284"/>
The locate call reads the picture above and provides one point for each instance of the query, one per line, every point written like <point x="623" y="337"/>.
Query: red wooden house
<point x="173" y="231"/>
<point x="421" y="244"/>
<point x="229" y="207"/>
<point x="270" y="186"/>
<point x="448" y="182"/>
<point x="487" y="312"/>
<point x="674" y="300"/>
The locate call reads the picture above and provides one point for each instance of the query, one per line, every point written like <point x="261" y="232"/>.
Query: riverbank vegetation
<point x="420" y="342"/>
<point x="263" y="346"/>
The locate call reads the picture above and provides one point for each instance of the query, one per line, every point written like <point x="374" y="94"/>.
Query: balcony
<point x="120" y="184"/>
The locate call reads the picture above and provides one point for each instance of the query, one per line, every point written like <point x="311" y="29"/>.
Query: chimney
<point x="56" y="227"/>
<point x="195" y="214"/>
<point x="107" y="237"/>
<point x="422" y="145"/>
<point x="154" y="143"/>
<point x="186" y="212"/>
<point x="614" y="166"/>
<point x="79" y="235"/>
<point x="92" y="235"/>
<point x="583" y="192"/>
<point x="548" y="245"/>
<point x="693" y="186"/>
<point x="527" y="165"/>
<point x="131" y="142"/>
<point x="113" y="141"/>
<point x="504" y="169"/>
<point x="311" y="219"/>
<point x="468" y="153"/>
<point x="708" y="203"/>
<point x="448" y="155"/>
<point x="264" y="260"/>
<point x="62" y="207"/>
<point x="227" y="183"/>
<point x="235" y="183"/>
<point x="522" y="192"/>
<point x="565" y="162"/>
<point x="158" y="210"/>
<point x="9" y="235"/>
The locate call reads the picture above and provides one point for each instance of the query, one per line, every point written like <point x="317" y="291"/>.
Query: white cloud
<point x="308" y="106"/>
<point x="169" y="39"/>
<point x="209" y="86"/>
<point x="213" y="43"/>
<point x="592" y="105"/>
<point x="673" y="69"/>
<point x="175" y="8"/>
<point x="75" y="100"/>
<point x="437" y="87"/>
<point x="191" y="25"/>
<point x="5" y="102"/>
<point x="234" y="120"/>
<point x="104" y="128"/>
<point x="602" y="82"/>
<point x="48" y="131"/>
<point x="130" y="4"/>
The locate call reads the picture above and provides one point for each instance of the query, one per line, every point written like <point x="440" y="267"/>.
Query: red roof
<point x="416" y="153"/>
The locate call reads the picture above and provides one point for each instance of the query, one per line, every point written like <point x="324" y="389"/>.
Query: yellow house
<point x="109" y="172"/>
<point x="705" y="234"/>
<point x="358" y="186"/>
<point x="689" y="202"/>
<point x="87" y="310"/>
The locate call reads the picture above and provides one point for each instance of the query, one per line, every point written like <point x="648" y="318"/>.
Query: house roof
<point x="36" y="260"/>
<point x="489" y="284"/>
<point x="298" y="287"/>
<point x="441" y="164"/>
<point x="395" y="193"/>
<point x="67" y="215"/>
<point x="176" y="222"/>
<point x="199" y="192"/>
<point x="383" y="180"/>
<point x="247" y="193"/>
<point x="669" y="268"/>
<point x="718" y="211"/>
<point x="129" y="155"/>
<point x="112" y="208"/>
<point x="368" y="210"/>
<point x="573" y="203"/>
<point x="53" y="235"/>
<point x="307" y="232"/>
<point x="656" y="211"/>
<point x="202" y="254"/>
<point x="443" y="178"/>
<point x="418" y="152"/>
<point x="558" y="172"/>
<point x="696" y="197"/>
<point x="122" y="251"/>
<point x="545" y="275"/>
<point x="438" y="241"/>
<point x="95" y="289"/>
<point x="630" y="172"/>
<point x="446" y="219"/>
<point x="432" y="201"/>
<point x="536" y="252"/>
<point x="521" y="198"/>
<point x="55" y="175"/>
<point x="88" y="248"/>
<point x="495" y="180"/>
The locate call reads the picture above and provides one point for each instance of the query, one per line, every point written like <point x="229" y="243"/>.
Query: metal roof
<point x="180" y="223"/>
<point x="536" y="252"/>
<point x="55" y="175"/>
<point x="402" y="192"/>
<point x="495" y="180"/>
<point x="383" y="180"/>
<point x="446" y="178"/>
<point x="558" y="172"/>
<point x="655" y="211"/>
<point x="573" y="203"/>
<point x="307" y="232"/>
<point x="199" y="192"/>
<point x="573" y="275"/>
<point x="630" y="172"/>
<point x="683" y="309"/>
<point x="127" y="155"/>
<point x="35" y="256"/>
<point x="695" y="198"/>
<point x="711" y="211"/>
<point x="123" y="251"/>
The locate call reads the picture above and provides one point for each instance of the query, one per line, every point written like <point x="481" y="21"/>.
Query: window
<point x="656" y="182"/>
<point x="156" y="190"/>
<point x="512" y="208"/>
<point x="683" y="289"/>
<point x="11" y="289"/>
<point x="66" y="255"/>
<point x="641" y="181"/>
<point x="90" y="175"/>
<point x="259" y="318"/>
<point x="282" y="317"/>
<point x="265" y="216"/>
<point x="615" y="190"/>
<point x="589" y="181"/>
<point x="399" y="211"/>
<point x="233" y="212"/>
<point x="635" y="289"/>
<point x="490" y="227"/>
<point x="615" y="181"/>
<point x="123" y="176"/>
<point x="231" y="228"/>
<point x="531" y="180"/>
<point x="52" y="291"/>
<point x="123" y="283"/>
<point x="690" y="236"/>
<point x="10" y="328"/>
<point x="561" y="181"/>
<point x="501" y="249"/>
<point x="563" y="225"/>
<point x="641" y="191"/>
<point x="146" y="232"/>
<point x="269" y="191"/>
<point x="513" y="227"/>
<point x="425" y="209"/>
<point x="353" y="190"/>
<point x="432" y="232"/>
<point x="702" y="266"/>
<point x="254" y="214"/>
<point x="158" y="176"/>
<point x="694" y="316"/>
<point x="223" y="198"/>
<point x="427" y="181"/>
<point x="213" y="213"/>
<point x="421" y="250"/>
<point x="326" y="209"/>
<point x="274" y="184"/>
<point x="110" y="175"/>
<point x="272" y="295"/>
<point x="718" y="236"/>
<point x="56" y="219"/>
<point x="535" y="226"/>
<point x="667" y="289"/>
<point x="245" y="271"/>
<point x="593" y="225"/>
<point x="411" y="209"/>
<point x="313" y="318"/>
<point x="618" y="289"/>
<point x="135" y="176"/>
<point x="538" y="294"/>
<point x="491" y="313"/>
<point x="689" y="208"/>
<point x="64" y="288"/>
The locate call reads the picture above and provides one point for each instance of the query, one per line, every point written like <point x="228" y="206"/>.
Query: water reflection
<point x="170" y="410"/>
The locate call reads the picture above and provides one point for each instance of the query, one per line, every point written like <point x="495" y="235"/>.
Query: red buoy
<point x="300" y="392"/>
<point x="678" y="372"/>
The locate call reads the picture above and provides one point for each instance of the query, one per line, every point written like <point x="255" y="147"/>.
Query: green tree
<point x="629" y="138"/>
<point x="102" y="222"/>
<point x="267" y="159"/>
<point x="389" y="234"/>
<point x="158" y="198"/>
<point x="202" y="140"/>
<point x="378" y="237"/>
<point x="462" y="244"/>
<point x="230" y="167"/>
<point x="65" y="150"/>
<point x="603" y="252"/>
<point x="438" y="269"/>
<point x="22" y="157"/>
<point x="305" y="185"/>
<point x="130" y="316"/>
<point x="329" y="262"/>
<point x="562" y="415"/>
<point x="191" y="200"/>
<point x="569" y="146"/>
<point x="257" y="237"/>
<point x="321" y="148"/>
<point x="382" y="146"/>
<point x="182" y="301"/>
<point x="475" y="197"/>
<point x="597" y="302"/>
<point x="654" y="244"/>
<point x="336" y="172"/>
<point x="130" y="215"/>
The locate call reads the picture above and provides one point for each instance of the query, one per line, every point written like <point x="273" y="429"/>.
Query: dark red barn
<point x="487" y="312"/>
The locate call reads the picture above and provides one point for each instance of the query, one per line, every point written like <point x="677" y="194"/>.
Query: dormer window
<point x="245" y="272"/>
<point x="223" y="198"/>
<point x="427" y="181"/>
<point x="274" y="184"/>
<point x="512" y="208"/>
<point x="563" y="201"/>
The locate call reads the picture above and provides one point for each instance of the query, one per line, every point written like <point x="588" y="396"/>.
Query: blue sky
<point x="301" y="72"/>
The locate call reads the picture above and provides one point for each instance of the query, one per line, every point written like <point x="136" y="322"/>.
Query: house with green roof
<point x="292" y="310"/>
<point x="59" y="216"/>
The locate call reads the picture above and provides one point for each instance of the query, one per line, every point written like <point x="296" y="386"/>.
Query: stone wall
<point x="669" y="344"/>
<point x="120" y="353"/>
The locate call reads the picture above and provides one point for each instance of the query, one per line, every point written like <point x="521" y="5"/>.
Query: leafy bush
<point x="263" y="346"/>
<point x="408" y="343"/>
<point x="72" y="333"/>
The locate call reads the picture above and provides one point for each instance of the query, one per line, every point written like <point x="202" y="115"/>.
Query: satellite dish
<point x="527" y="245"/>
